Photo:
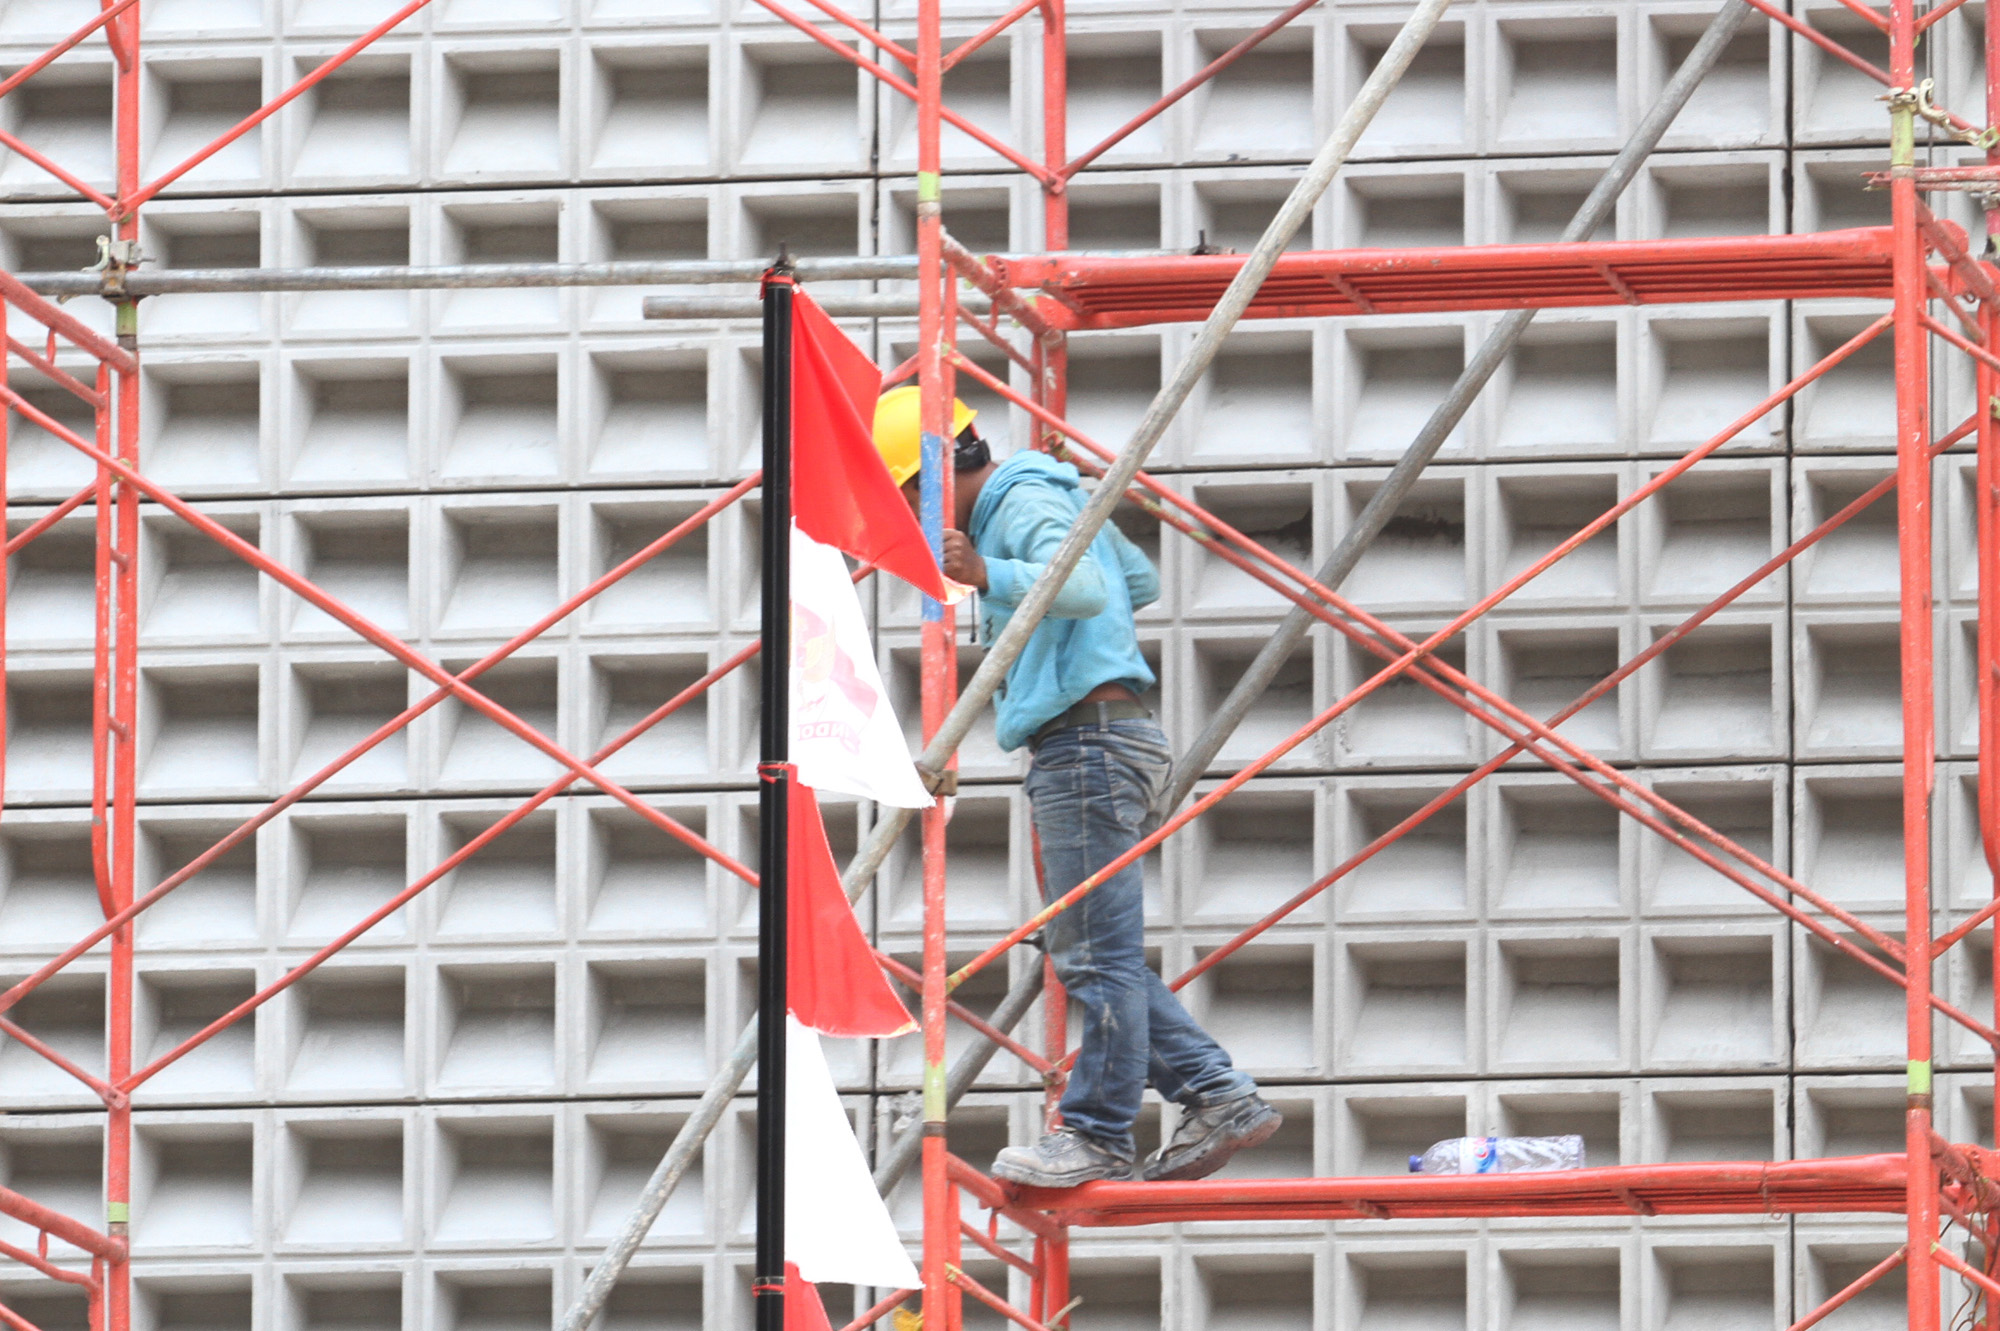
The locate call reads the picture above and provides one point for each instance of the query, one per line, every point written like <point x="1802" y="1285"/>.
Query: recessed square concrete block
<point x="1217" y="662"/>
<point x="1557" y="81"/>
<point x="217" y="906"/>
<point x="1427" y="107"/>
<point x="1856" y="562"/>
<point x="640" y="879"/>
<point x="977" y="1129"/>
<point x="193" y="102"/>
<point x="66" y="1013"/>
<point x="1850" y="837"/>
<point x="1848" y="1116"/>
<point x="58" y="1163"/>
<point x="500" y="568"/>
<point x="1547" y="668"/>
<point x="1845" y="1014"/>
<point x="333" y="706"/>
<point x="1708" y="530"/>
<point x="346" y="1032"/>
<point x="493" y="1179"/>
<point x="1232" y="212"/>
<point x="1558" y="392"/>
<point x="493" y="1300"/>
<point x="1396" y="377"/>
<point x="52" y="585"/>
<point x="65" y="115"/>
<point x="1237" y="1292"/>
<point x="672" y="588"/>
<point x="343" y="1182"/>
<point x="527" y="231"/>
<point x="1402" y="1005"/>
<point x="1832" y="100"/>
<point x="900" y="1063"/>
<point x="1699" y="1287"/>
<point x="496" y="1026"/>
<point x="49" y="733"/>
<point x="1424" y="872"/>
<point x="1258" y="1004"/>
<point x="1254" y="853"/>
<point x="1704" y="1122"/>
<point x="1578" y="1289"/>
<point x="1852" y="405"/>
<point x="362" y="1301"/>
<point x="627" y="690"/>
<point x="476" y="751"/>
<point x="1558" y="849"/>
<point x="351" y="237"/>
<point x="1716" y="693"/>
<point x="1405" y="209"/>
<point x="1113" y="77"/>
<point x="1281" y="514"/>
<point x="1419" y="561"/>
<point x="48" y="885"/>
<point x="193" y="588"/>
<point x="358" y="556"/>
<point x="1405" y="1290"/>
<point x="979" y="89"/>
<point x="828" y="222"/>
<point x="350" y="420"/>
<point x="501" y="114"/>
<point x="1125" y="1291"/>
<point x="649" y="111"/>
<point x="192" y="1183"/>
<point x="1257" y="400"/>
<point x="203" y="235"/>
<point x="1380" y="1129"/>
<point x="1263" y="103"/>
<point x="979" y="844"/>
<point x="505" y="888"/>
<point x="649" y="414"/>
<point x="1558" y="1002"/>
<point x="1712" y="199"/>
<point x="40" y="462"/>
<point x="354" y="123"/>
<point x="1707" y="1000"/>
<point x="193" y="1303"/>
<point x="1830" y="1265"/>
<point x="1744" y="806"/>
<point x="50" y="1306"/>
<point x="172" y="1008"/>
<point x="1535" y="206"/>
<point x="199" y="729"/>
<point x="339" y="868"/>
<point x="1403" y="722"/>
<point x="203" y="424"/>
<point x="1111" y="382"/>
<point x="1534" y="511"/>
<point x="657" y="1299"/>
<point x="1115" y="217"/>
<point x="621" y="1151"/>
<point x="798" y="104"/>
<point x="1597" y="1116"/>
<point x="645" y="1022"/>
<point x="1699" y="377"/>
<point x="1849" y="689"/>
<point x="501" y="417"/>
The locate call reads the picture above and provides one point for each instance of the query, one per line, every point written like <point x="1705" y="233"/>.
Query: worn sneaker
<point x="1205" y="1139"/>
<point x="1061" y="1159"/>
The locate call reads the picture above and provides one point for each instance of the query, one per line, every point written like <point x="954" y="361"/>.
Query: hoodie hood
<point x="1022" y="467"/>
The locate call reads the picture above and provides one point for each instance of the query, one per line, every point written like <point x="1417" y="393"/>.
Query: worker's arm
<point x="1032" y="522"/>
<point x="1142" y="580"/>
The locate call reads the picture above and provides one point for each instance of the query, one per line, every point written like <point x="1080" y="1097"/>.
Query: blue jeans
<point x="1092" y="788"/>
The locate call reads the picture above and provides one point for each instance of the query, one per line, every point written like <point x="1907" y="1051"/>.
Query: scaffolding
<point x="1943" y="301"/>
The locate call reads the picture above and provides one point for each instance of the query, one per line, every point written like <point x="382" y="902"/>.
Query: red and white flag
<point x="842" y="493"/>
<point x="845" y="735"/>
<point x="836" y="1226"/>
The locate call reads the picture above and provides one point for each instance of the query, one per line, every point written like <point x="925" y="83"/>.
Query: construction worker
<point x="1100" y="762"/>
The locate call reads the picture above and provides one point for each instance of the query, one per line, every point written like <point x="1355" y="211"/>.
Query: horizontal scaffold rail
<point x="1113" y="292"/>
<point x="1862" y="1183"/>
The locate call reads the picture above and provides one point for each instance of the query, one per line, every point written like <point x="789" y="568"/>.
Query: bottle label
<point x="1479" y="1155"/>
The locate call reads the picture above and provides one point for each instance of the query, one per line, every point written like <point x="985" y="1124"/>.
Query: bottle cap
<point x="1416" y="1164"/>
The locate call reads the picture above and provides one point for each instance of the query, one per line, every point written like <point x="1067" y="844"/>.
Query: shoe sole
<point x="1221" y="1152"/>
<point x="1030" y="1178"/>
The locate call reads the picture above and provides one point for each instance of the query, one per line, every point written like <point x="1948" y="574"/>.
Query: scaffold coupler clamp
<point x="943" y="783"/>
<point x="115" y="261"/>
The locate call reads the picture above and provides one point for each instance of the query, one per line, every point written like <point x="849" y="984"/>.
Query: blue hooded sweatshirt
<point x="1023" y="512"/>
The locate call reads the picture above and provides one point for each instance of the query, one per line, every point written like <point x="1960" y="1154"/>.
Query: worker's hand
<point x="962" y="562"/>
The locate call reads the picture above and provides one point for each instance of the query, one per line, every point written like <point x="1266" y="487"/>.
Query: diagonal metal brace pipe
<point x="985" y="682"/>
<point x="1499" y="344"/>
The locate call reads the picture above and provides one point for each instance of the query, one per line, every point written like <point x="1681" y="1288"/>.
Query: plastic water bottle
<point x="1499" y="1155"/>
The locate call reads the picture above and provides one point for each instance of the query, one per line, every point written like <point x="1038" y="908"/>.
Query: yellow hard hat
<point x="899" y="429"/>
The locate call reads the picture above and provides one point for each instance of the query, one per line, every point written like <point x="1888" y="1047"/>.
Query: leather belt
<point x="1093" y="714"/>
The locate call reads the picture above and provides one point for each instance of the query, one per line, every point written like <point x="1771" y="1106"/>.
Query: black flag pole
<point x="773" y="792"/>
